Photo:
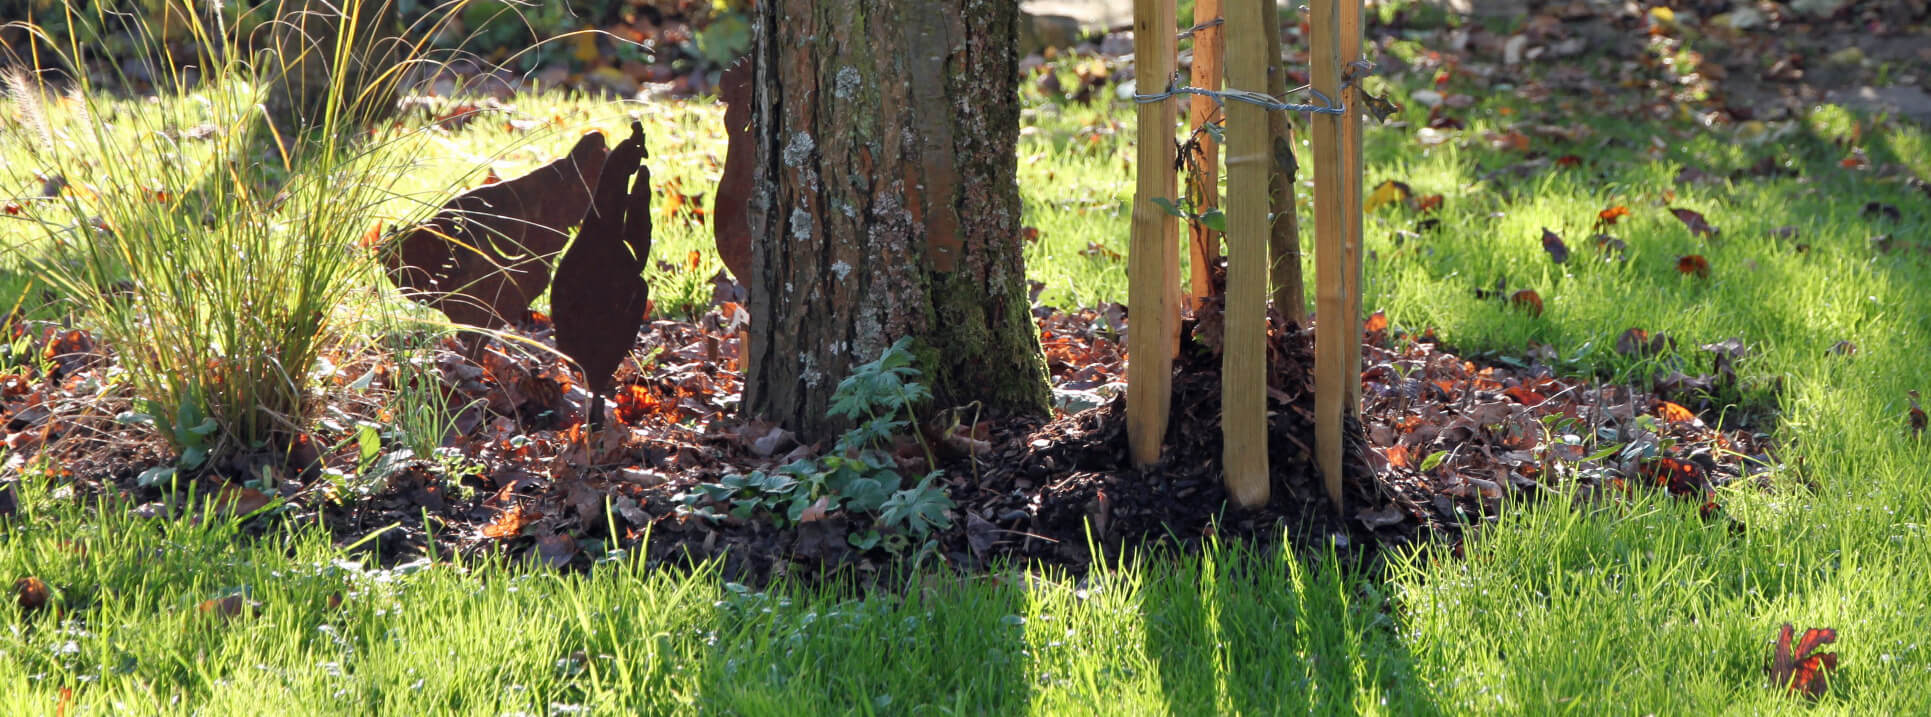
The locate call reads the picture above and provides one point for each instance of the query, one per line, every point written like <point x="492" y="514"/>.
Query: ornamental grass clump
<point x="210" y="249"/>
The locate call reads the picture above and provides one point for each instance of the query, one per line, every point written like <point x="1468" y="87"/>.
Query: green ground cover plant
<point x="1557" y="605"/>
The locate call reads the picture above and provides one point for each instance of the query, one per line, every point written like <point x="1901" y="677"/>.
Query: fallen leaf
<point x="237" y="502"/>
<point x="1800" y="668"/>
<point x="509" y="523"/>
<point x="1377" y="322"/>
<point x="1388" y="192"/>
<point x="1610" y="247"/>
<point x="816" y="511"/>
<point x="1877" y="210"/>
<point x="1674" y="413"/>
<point x="1527" y="300"/>
<point x="1511" y="140"/>
<point x="556" y="550"/>
<point x="1693" y="265"/>
<point x="1917" y="416"/>
<point x="1429" y="203"/>
<point x="1610" y="216"/>
<point x="1551" y="243"/>
<point x="1568" y="161"/>
<point x="1694" y="220"/>
<point x="31" y="593"/>
<point x="1397" y="456"/>
<point x="1096" y="249"/>
<point x="372" y="239"/>
<point x="1639" y="343"/>
<point x="228" y="608"/>
<point x="1844" y="348"/>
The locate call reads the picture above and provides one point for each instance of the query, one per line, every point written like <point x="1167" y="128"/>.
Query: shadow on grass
<point x="1242" y="632"/>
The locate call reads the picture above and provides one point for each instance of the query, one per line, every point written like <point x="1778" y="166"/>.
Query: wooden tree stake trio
<point x="1153" y="271"/>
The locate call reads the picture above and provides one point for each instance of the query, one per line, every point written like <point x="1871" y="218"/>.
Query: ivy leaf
<point x="1433" y="459"/>
<point x="1214" y="219"/>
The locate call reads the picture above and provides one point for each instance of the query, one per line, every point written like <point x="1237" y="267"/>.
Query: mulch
<point x="1444" y="444"/>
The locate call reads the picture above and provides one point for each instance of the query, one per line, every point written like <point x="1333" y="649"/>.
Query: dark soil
<point x="544" y="488"/>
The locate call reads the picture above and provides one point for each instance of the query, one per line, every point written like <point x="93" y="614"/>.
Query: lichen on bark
<point x="886" y="134"/>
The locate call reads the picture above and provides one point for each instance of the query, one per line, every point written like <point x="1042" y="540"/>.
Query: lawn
<point x="1626" y="605"/>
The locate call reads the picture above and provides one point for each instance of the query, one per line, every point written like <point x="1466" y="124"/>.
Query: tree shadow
<point x="1247" y="630"/>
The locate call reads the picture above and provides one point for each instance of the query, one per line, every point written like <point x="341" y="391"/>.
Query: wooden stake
<point x="1152" y="269"/>
<point x="1243" y="357"/>
<point x="1333" y="334"/>
<point x="1350" y="42"/>
<point x="1203" y="246"/>
<point x="1284" y="240"/>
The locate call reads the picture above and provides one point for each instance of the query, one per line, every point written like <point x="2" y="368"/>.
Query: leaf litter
<point x="1442" y="445"/>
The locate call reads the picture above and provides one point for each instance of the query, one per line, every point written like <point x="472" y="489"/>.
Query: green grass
<point x="125" y="633"/>
<point x="1633" y="606"/>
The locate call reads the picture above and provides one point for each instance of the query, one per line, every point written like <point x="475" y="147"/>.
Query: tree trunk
<point x="887" y="204"/>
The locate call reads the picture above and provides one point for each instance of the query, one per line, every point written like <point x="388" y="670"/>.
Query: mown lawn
<point x="1628" y="606"/>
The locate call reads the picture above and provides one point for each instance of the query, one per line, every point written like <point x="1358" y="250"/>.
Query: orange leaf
<point x="1693" y="264"/>
<point x="1524" y="396"/>
<point x="1568" y="161"/>
<point x="32" y="593"/>
<point x="371" y="238"/>
<point x="1799" y="667"/>
<point x="1378" y="321"/>
<point x="1429" y="203"/>
<point x="1527" y="300"/>
<point x="1674" y="413"/>
<point x="509" y="524"/>
<point x="693" y="260"/>
<point x="1609" y="216"/>
<point x="1398" y="456"/>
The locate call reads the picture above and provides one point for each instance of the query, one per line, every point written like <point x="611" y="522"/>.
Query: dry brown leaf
<point x="31" y="593"/>
<point x="1527" y="300"/>
<point x="1693" y="265"/>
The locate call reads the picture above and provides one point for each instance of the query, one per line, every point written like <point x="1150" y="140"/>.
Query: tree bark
<point x="887" y="204"/>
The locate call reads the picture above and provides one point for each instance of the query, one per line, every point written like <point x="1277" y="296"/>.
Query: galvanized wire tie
<point x="1262" y="100"/>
